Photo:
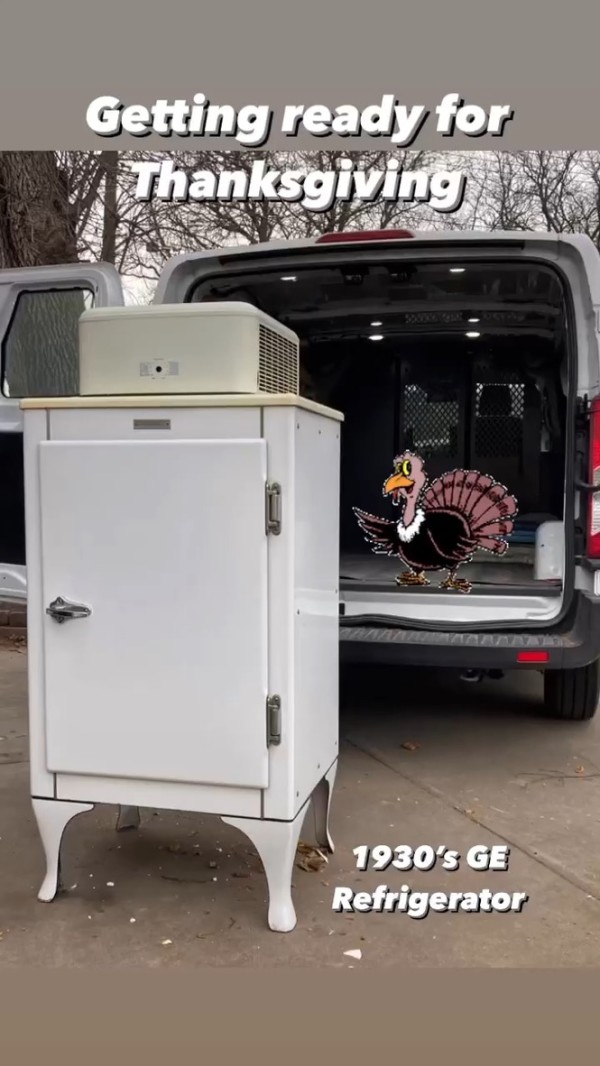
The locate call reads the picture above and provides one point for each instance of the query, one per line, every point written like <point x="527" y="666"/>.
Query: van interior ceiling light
<point x="289" y="277"/>
<point x="376" y="337"/>
<point x="457" y="270"/>
<point x="472" y="334"/>
<point x="377" y="323"/>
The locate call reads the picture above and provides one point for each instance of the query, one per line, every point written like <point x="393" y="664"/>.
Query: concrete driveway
<point x="426" y="759"/>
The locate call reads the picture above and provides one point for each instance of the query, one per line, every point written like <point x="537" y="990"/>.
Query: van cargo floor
<point x="372" y="571"/>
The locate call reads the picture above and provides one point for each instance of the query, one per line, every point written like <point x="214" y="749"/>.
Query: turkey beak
<point x="395" y="482"/>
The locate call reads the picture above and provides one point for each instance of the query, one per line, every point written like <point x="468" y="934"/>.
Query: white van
<point x="462" y="351"/>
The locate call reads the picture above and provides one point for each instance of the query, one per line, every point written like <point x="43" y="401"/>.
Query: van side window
<point x="40" y="353"/>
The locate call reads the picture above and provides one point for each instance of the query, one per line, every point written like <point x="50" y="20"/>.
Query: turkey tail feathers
<point x="494" y="529"/>
<point x="498" y="547"/>
<point x="484" y="503"/>
<point x="503" y="509"/>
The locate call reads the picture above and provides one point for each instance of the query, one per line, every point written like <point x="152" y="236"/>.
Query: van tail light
<point x="594" y="479"/>
<point x="533" y="657"/>
<point x="366" y="235"/>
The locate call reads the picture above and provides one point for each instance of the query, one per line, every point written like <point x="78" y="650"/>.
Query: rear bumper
<point x="575" y="643"/>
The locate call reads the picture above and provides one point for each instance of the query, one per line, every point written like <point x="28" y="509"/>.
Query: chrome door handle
<point x="61" y="610"/>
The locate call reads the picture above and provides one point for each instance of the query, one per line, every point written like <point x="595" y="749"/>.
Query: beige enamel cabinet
<point x="183" y="568"/>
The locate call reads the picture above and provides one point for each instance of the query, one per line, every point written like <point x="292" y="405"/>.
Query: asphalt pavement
<point x="425" y="760"/>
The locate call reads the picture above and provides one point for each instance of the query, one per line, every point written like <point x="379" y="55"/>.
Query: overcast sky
<point x="137" y="290"/>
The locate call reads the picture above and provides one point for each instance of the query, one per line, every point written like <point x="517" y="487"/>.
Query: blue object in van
<point x="525" y="529"/>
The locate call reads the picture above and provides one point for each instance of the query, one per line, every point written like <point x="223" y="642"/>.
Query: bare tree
<point x="37" y="223"/>
<point x="60" y="205"/>
<point x="38" y="228"/>
<point x="213" y="223"/>
<point x="144" y="235"/>
<point x="554" y="191"/>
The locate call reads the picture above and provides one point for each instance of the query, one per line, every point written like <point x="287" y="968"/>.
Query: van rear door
<point x="39" y="322"/>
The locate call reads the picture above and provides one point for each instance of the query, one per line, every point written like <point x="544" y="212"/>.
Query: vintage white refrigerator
<point x="183" y="569"/>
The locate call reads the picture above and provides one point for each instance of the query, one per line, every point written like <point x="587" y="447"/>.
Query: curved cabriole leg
<point x="276" y="844"/>
<point x="128" y="818"/>
<point x="321" y="803"/>
<point x="52" y="817"/>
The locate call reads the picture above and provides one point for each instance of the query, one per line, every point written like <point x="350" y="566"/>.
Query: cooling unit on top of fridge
<point x="209" y="348"/>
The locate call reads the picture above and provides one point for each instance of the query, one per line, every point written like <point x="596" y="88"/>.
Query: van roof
<point x="391" y="235"/>
<point x="181" y="269"/>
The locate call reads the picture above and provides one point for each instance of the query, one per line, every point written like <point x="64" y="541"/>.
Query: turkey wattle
<point x="443" y="523"/>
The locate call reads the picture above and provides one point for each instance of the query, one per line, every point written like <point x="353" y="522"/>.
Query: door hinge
<point x="273" y="503"/>
<point x="273" y="720"/>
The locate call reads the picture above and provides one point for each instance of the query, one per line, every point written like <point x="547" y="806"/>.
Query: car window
<point x="40" y="353"/>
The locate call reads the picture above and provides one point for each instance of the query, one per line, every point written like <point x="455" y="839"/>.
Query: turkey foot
<point x="409" y="578"/>
<point x="457" y="583"/>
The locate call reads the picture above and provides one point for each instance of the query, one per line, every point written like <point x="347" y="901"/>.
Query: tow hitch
<point x="474" y="676"/>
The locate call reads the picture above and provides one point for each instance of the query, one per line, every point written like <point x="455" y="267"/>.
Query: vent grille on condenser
<point x="278" y="363"/>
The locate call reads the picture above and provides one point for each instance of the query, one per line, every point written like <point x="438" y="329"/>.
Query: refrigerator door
<point x="156" y="651"/>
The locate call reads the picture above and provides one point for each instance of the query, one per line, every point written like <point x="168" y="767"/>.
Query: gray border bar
<point x="543" y="61"/>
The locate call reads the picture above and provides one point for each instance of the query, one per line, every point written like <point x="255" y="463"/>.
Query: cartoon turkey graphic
<point x="443" y="523"/>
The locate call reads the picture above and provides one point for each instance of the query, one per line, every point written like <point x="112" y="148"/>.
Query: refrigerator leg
<point x="128" y="818"/>
<point x="321" y="803"/>
<point x="52" y="817"/>
<point x="276" y="844"/>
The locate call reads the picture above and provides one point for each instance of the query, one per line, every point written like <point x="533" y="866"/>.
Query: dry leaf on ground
<point x="310" y="858"/>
